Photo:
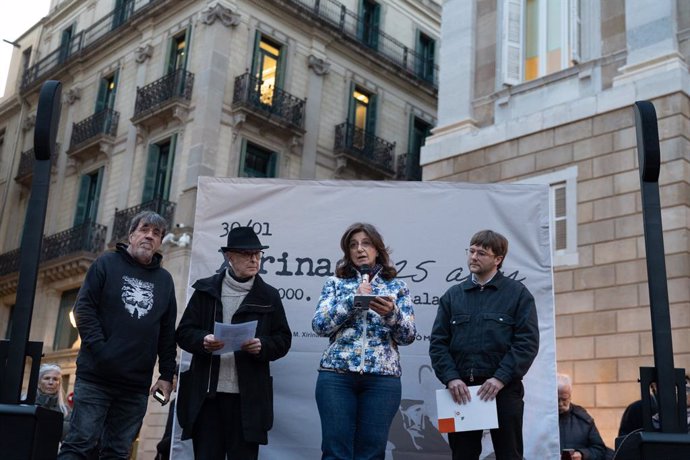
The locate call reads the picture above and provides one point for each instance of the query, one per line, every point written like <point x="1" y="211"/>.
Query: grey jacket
<point x="485" y="331"/>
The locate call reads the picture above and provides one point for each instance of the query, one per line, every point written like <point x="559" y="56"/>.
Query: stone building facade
<point x="542" y="92"/>
<point x="156" y="93"/>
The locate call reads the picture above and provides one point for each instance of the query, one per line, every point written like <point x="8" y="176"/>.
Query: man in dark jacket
<point x="125" y="313"/>
<point x="486" y="333"/>
<point x="225" y="402"/>
<point x="579" y="434"/>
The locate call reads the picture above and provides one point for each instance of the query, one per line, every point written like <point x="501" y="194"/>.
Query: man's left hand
<point x="577" y="455"/>
<point x="252" y="346"/>
<point x="489" y="389"/>
<point x="164" y="386"/>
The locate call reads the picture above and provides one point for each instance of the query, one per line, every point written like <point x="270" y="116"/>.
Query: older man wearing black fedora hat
<point x="225" y="401"/>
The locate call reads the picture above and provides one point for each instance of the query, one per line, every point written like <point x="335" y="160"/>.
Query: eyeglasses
<point x="478" y="252"/>
<point x="249" y="254"/>
<point x="363" y="244"/>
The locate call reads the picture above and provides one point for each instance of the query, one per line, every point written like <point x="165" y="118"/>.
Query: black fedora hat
<point x="243" y="239"/>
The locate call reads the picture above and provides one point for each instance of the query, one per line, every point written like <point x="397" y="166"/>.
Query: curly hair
<point x="345" y="268"/>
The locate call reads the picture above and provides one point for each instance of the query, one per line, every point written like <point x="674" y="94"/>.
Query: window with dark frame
<point x="258" y="162"/>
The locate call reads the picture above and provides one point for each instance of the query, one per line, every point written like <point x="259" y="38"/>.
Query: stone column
<point x="651" y="31"/>
<point x="319" y="69"/>
<point x="457" y="72"/>
<point x="213" y="40"/>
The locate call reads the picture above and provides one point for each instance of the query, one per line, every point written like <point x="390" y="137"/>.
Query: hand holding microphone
<point x="365" y="287"/>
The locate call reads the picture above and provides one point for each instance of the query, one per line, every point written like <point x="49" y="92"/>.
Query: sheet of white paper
<point x="234" y="335"/>
<point x="475" y="415"/>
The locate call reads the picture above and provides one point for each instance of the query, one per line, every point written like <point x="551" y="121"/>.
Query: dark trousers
<point x="218" y="431"/>
<point x="507" y="438"/>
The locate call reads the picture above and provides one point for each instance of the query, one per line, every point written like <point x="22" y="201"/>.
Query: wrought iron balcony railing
<point x="172" y="87"/>
<point x="100" y="123"/>
<point x="86" y="39"/>
<point x="364" y="147"/>
<point x="9" y="262"/>
<point x="340" y="20"/>
<point x="26" y="164"/>
<point x="87" y="237"/>
<point x="123" y="217"/>
<point x="408" y="168"/>
<point x="271" y="102"/>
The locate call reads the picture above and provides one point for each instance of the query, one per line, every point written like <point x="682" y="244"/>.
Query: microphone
<point x="365" y="270"/>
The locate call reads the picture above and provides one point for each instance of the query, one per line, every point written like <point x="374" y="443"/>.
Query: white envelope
<point x="475" y="415"/>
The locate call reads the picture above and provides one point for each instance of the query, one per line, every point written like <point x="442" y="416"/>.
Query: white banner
<point x="427" y="226"/>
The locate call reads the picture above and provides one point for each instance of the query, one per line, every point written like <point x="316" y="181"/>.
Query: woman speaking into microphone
<point x="366" y="313"/>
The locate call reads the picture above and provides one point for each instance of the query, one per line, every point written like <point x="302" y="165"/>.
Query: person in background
<point x="125" y="313"/>
<point x="50" y="393"/>
<point x="225" y="402"/>
<point x="358" y="388"/>
<point x="486" y="334"/>
<point x="579" y="434"/>
<point x="632" y="416"/>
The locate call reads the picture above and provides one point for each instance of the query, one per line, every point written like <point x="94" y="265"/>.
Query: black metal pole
<point x="650" y="165"/>
<point x="47" y="119"/>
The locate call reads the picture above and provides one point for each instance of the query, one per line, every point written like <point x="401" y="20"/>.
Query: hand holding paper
<point x="473" y="415"/>
<point x="234" y="336"/>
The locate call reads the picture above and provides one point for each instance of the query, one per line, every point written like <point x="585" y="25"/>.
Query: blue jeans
<point x="107" y="414"/>
<point x="356" y="412"/>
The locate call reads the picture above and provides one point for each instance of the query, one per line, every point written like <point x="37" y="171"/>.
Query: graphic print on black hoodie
<point x="137" y="296"/>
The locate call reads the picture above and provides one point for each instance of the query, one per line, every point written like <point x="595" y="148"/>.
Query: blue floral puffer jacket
<point x="361" y="340"/>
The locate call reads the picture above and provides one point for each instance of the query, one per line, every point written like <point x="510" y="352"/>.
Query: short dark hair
<point x="154" y="219"/>
<point x="346" y="269"/>
<point x="488" y="239"/>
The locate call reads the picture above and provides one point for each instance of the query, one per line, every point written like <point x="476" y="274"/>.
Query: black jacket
<point x="126" y="314"/>
<point x="262" y="303"/>
<point x="485" y="331"/>
<point x="578" y="431"/>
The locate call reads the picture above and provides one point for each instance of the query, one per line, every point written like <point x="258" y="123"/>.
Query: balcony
<point x="406" y="169"/>
<point x="269" y="104"/>
<point x="94" y="135"/>
<point x="378" y="45"/>
<point x="164" y="99"/>
<point x="123" y="217"/>
<point x="365" y="149"/>
<point x="63" y="254"/>
<point x="91" y="40"/>
<point x="25" y="171"/>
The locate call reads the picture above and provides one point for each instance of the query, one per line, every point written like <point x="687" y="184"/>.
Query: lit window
<point x="65" y="333"/>
<point x="539" y="37"/>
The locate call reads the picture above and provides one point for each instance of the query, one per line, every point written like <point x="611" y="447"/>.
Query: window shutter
<point x="151" y="170"/>
<point x="375" y="26"/>
<point x="371" y="115"/>
<point x="256" y="59"/>
<point x="560" y="216"/>
<point x="93" y="206"/>
<point x="512" y="41"/>
<point x="169" y="168"/>
<point x="272" y="170"/>
<point x="574" y="17"/>
<point x="80" y="214"/>
<point x="102" y="92"/>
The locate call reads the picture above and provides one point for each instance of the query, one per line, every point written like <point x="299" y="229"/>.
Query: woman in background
<point x="358" y="388"/>
<point x="50" y="393"/>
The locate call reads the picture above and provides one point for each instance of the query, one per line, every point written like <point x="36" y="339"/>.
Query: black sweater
<point x="126" y="316"/>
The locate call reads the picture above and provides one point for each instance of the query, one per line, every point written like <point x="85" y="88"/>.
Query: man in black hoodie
<point x="125" y="312"/>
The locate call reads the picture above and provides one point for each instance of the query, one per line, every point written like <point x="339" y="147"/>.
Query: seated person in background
<point x="576" y="426"/>
<point x="632" y="417"/>
<point x="50" y="393"/>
